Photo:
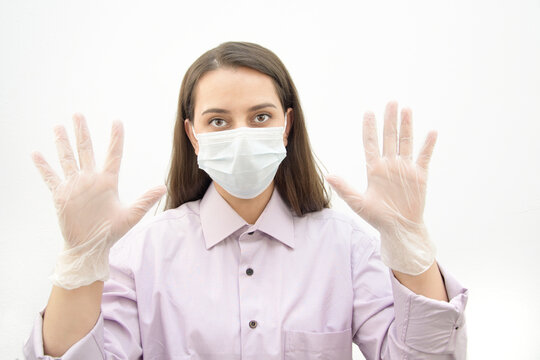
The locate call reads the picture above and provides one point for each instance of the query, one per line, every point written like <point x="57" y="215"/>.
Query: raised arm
<point x="92" y="219"/>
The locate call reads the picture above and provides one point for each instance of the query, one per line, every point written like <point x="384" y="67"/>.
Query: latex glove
<point x="394" y="200"/>
<point x="90" y="214"/>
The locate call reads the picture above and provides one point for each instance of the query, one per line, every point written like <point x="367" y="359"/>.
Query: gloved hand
<point x="394" y="200"/>
<point x="90" y="214"/>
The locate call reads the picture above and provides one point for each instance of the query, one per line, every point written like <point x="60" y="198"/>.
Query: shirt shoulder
<point x="335" y="218"/>
<point x="338" y="224"/>
<point x="168" y="227"/>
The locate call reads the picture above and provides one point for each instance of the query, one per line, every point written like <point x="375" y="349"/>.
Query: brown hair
<point x="298" y="179"/>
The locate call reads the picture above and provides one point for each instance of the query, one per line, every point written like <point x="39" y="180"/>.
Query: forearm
<point x="69" y="316"/>
<point x="429" y="284"/>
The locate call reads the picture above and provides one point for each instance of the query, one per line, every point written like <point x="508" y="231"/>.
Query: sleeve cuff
<point x="89" y="347"/>
<point x="429" y="325"/>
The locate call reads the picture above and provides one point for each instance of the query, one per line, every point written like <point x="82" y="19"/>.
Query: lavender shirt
<point x="198" y="282"/>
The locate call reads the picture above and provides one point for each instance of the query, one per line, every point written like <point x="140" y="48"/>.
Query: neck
<point x="248" y="209"/>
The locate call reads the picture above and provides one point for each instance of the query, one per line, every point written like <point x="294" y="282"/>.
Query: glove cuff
<point x="73" y="270"/>
<point x="409" y="251"/>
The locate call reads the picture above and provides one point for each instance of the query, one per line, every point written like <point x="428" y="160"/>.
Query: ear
<point x="290" y="119"/>
<point x="191" y="136"/>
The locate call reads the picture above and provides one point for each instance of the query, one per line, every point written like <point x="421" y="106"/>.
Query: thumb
<point x="352" y="197"/>
<point x="144" y="203"/>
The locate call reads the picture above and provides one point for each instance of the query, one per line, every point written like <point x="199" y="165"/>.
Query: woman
<point x="247" y="261"/>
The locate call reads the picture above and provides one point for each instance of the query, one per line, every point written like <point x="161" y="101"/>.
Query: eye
<point x="260" y="118"/>
<point x="216" y="122"/>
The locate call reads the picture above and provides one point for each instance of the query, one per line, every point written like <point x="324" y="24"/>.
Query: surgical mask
<point x="243" y="161"/>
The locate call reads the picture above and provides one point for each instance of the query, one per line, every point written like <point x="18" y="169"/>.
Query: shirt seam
<point x="361" y="259"/>
<point x="96" y="342"/>
<point x="406" y="327"/>
<point x="354" y="267"/>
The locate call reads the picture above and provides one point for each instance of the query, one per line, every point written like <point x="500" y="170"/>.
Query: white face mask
<point x="243" y="161"/>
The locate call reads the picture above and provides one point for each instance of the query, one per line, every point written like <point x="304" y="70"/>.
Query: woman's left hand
<point x="395" y="198"/>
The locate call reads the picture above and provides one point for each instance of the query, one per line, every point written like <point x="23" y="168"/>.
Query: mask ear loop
<point x="193" y="130"/>
<point x="285" y="126"/>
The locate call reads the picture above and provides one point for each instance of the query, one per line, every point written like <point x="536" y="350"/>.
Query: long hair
<point x="298" y="179"/>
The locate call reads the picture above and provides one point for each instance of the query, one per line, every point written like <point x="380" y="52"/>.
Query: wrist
<point x="429" y="283"/>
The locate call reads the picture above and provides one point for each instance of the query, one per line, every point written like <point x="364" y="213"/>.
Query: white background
<point x="469" y="69"/>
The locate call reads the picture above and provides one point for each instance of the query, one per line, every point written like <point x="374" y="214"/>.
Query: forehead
<point x="234" y="89"/>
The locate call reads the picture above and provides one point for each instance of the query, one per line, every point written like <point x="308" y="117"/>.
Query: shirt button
<point x="249" y="271"/>
<point x="251" y="233"/>
<point x="253" y="324"/>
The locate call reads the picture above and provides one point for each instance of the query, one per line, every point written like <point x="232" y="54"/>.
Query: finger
<point x="143" y="204"/>
<point x="354" y="199"/>
<point x="116" y="145"/>
<point x="84" y="143"/>
<point x="65" y="152"/>
<point x="47" y="173"/>
<point x="390" y="129"/>
<point x="427" y="150"/>
<point x="406" y="134"/>
<point x="371" y="142"/>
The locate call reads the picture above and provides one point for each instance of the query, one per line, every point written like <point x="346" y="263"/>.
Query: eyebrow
<point x="253" y="108"/>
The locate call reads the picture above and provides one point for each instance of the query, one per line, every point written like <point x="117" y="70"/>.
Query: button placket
<point x="249" y="291"/>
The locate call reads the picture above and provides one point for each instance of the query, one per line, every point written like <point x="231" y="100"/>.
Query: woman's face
<point x="228" y="98"/>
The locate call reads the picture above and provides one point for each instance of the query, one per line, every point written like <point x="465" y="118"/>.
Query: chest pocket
<point x="304" y="345"/>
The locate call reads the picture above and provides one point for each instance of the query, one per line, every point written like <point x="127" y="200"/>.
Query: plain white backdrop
<point x="469" y="69"/>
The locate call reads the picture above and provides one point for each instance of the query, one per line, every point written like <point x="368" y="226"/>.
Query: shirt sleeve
<point x="116" y="333"/>
<point x="392" y="322"/>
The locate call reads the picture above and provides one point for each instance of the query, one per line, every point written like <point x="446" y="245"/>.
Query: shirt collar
<point x="219" y="220"/>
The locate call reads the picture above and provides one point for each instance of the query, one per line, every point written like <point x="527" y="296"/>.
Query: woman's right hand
<point x="90" y="214"/>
